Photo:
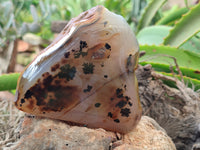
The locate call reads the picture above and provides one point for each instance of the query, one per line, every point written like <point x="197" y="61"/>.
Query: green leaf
<point x="192" y="73"/>
<point x="42" y="7"/>
<point x="149" y="13"/>
<point x="153" y="35"/>
<point x="188" y="62"/>
<point x="190" y="82"/>
<point x="10" y="21"/>
<point x="172" y="16"/>
<point x="8" y="81"/>
<point x="34" y="13"/>
<point x="193" y="44"/>
<point x="187" y="26"/>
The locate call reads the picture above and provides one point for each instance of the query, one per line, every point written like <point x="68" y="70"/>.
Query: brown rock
<point x="5" y="95"/>
<point x="149" y="135"/>
<point x="32" y="39"/>
<point x="22" y="46"/>
<point x="44" y="133"/>
<point x="58" y="26"/>
<point x="8" y="57"/>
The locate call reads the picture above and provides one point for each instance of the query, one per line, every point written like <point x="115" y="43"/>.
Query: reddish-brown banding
<point x="55" y="67"/>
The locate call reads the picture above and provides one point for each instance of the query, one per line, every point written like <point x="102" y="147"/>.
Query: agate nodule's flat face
<point x="87" y="75"/>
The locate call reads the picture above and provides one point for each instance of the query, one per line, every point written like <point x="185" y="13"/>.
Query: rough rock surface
<point x="57" y="26"/>
<point x="175" y="110"/>
<point x="44" y="133"/>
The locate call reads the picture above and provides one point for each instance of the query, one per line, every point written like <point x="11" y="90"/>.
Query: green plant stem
<point x="8" y="81"/>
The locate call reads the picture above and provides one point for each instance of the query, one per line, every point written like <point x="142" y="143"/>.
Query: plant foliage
<point x="174" y="40"/>
<point x="185" y="28"/>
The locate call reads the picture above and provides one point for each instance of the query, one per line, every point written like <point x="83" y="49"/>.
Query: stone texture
<point x="57" y="26"/>
<point x="22" y="46"/>
<point x="175" y="110"/>
<point x="148" y="135"/>
<point x="8" y="57"/>
<point x="44" y="133"/>
<point x="32" y="39"/>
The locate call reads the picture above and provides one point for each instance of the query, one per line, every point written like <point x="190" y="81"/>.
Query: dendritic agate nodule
<point x="87" y="75"/>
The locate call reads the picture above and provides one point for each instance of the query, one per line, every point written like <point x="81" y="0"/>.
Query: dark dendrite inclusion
<point x="97" y="105"/>
<point x="88" y="89"/>
<point x="67" y="72"/>
<point x="79" y="53"/>
<point x="125" y="112"/>
<point x="88" y="68"/>
<point x="83" y="44"/>
<point x="107" y="46"/>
